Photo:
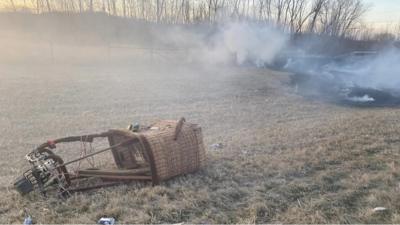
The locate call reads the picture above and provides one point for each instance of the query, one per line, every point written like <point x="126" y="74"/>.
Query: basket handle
<point x="178" y="128"/>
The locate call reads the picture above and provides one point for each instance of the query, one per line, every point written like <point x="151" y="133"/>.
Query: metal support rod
<point x="101" y="151"/>
<point x="109" y="184"/>
<point x="117" y="177"/>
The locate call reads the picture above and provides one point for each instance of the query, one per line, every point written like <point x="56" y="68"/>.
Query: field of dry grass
<point x="285" y="158"/>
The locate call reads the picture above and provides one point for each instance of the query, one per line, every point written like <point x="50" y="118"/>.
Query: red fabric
<point x="51" y="144"/>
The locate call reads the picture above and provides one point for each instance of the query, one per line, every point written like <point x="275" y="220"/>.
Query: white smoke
<point x="367" y="77"/>
<point x="364" y="98"/>
<point x="383" y="72"/>
<point x="233" y="42"/>
<point x="248" y="43"/>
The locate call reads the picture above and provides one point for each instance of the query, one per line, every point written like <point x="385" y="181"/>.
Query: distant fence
<point x="51" y="52"/>
<point x="151" y="53"/>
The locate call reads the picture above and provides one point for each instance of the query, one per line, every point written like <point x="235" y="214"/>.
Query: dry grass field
<point x="285" y="158"/>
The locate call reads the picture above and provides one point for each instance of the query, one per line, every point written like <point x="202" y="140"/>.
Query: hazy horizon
<point x="381" y="13"/>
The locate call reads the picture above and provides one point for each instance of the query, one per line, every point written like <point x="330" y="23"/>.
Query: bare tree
<point x="48" y="6"/>
<point x="330" y="17"/>
<point x="13" y="5"/>
<point x="338" y="16"/>
<point x="280" y="4"/>
<point x="355" y="11"/>
<point x="91" y="5"/>
<point x="315" y="12"/>
<point x="296" y="11"/>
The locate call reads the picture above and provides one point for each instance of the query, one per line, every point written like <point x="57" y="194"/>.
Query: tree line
<point x="340" y="18"/>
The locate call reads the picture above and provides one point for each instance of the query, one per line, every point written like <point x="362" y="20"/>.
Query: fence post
<point x="152" y="54"/>
<point x="109" y="51"/>
<point x="51" y="45"/>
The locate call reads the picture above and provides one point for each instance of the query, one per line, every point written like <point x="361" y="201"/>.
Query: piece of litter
<point x="134" y="127"/>
<point x="217" y="146"/>
<point x="380" y="209"/>
<point x="106" y="221"/>
<point x="28" y="220"/>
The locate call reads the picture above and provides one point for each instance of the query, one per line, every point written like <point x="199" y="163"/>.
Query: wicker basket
<point x="169" y="148"/>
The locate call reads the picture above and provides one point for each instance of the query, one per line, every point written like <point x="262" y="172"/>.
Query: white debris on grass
<point x="217" y="146"/>
<point x="365" y="98"/>
<point x="379" y="209"/>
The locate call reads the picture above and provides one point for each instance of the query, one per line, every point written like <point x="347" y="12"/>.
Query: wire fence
<point x="51" y="52"/>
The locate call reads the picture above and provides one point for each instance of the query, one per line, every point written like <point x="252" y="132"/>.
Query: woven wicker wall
<point x="173" y="157"/>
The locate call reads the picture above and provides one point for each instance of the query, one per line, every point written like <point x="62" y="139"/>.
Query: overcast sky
<point x="383" y="11"/>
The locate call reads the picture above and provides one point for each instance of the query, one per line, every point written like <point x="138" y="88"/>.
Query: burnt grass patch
<point x="334" y="90"/>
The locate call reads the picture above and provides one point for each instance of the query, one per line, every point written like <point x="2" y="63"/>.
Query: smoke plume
<point x="371" y="78"/>
<point x="232" y="42"/>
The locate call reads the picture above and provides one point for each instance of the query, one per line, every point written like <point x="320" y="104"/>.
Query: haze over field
<point x="298" y="101"/>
